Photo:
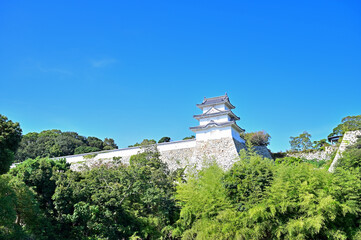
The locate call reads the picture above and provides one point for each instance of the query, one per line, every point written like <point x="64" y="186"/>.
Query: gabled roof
<point x="216" y="100"/>
<point x="216" y="113"/>
<point x="212" y="124"/>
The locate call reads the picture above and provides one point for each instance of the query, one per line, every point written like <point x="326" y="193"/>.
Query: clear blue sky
<point x="135" y="69"/>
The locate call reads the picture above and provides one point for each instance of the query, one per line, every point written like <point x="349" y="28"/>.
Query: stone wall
<point x="318" y="155"/>
<point x="223" y="151"/>
<point x="263" y="151"/>
<point x="176" y="154"/>
<point x="348" y="139"/>
<point x="178" y="158"/>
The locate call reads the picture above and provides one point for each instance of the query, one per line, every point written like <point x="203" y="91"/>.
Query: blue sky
<point x="135" y="69"/>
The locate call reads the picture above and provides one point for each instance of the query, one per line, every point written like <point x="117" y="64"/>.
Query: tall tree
<point x="10" y="136"/>
<point x="95" y="142"/>
<point x="301" y="142"/>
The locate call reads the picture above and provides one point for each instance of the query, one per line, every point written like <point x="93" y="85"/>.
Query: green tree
<point x="320" y="145"/>
<point x="164" y="139"/>
<point x="38" y="174"/>
<point x="85" y="149"/>
<point x="349" y="123"/>
<point x="116" y="201"/>
<point x="55" y="143"/>
<point x="20" y="215"/>
<point x="10" y="136"/>
<point x="109" y="144"/>
<point x="301" y="142"/>
<point x="95" y="142"/>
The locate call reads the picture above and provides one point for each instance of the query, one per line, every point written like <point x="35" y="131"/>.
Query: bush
<point x="260" y="138"/>
<point x="164" y="139"/>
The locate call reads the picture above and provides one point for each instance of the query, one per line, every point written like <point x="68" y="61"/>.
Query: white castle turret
<point x="217" y="120"/>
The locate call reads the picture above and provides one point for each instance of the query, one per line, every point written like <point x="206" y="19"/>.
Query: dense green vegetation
<point x="257" y="198"/>
<point x="55" y="143"/>
<point x="349" y="123"/>
<point x="10" y="135"/>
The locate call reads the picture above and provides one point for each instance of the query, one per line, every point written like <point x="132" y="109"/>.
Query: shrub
<point x="164" y="139"/>
<point x="260" y="138"/>
<point x="351" y="158"/>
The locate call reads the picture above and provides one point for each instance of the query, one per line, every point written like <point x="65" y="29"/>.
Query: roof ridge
<point x="223" y="96"/>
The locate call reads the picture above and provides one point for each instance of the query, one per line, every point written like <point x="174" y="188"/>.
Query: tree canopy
<point x="301" y="142"/>
<point x="164" y="139"/>
<point x="55" y="143"/>
<point x="349" y="123"/>
<point x="10" y="136"/>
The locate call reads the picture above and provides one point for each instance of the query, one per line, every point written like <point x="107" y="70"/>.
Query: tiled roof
<point x="215" y="101"/>
<point x="215" y="124"/>
<point x="226" y="112"/>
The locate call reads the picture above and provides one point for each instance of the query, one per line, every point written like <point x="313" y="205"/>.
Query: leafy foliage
<point x="352" y="156"/>
<point x="115" y="202"/>
<point x="202" y="198"/>
<point x="349" y="123"/>
<point x="38" y="174"/>
<point x="55" y="143"/>
<point x="248" y="178"/>
<point x="85" y="149"/>
<point x="164" y="139"/>
<point x="301" y="204"/>
<point x="301" y="142"/>
<point x="20" y="215"/>
<point x="10" y="136"/>
<point x="260" y="138"/>
<point x="320" y="145"/>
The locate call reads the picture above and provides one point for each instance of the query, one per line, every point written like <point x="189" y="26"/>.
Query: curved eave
<point x="227" y="103"/>
<point x="227" y="112"/>
<point x="217" y="125"/>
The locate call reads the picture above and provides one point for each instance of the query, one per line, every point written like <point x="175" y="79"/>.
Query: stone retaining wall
<point x="318" y="155"/>
<point x="176" y="154"/>
<point x="348" y="139"/>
